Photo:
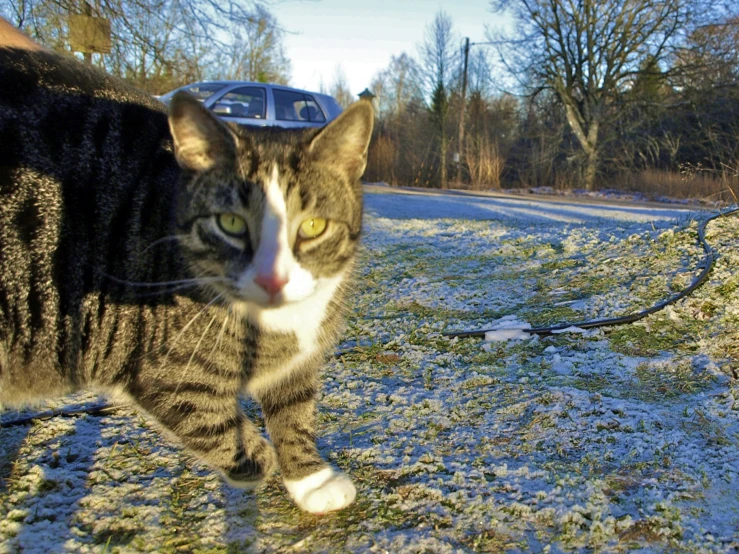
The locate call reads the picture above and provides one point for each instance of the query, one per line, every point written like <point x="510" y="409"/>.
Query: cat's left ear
<point x="201" y="140"/>
<point x="343" y="143"/>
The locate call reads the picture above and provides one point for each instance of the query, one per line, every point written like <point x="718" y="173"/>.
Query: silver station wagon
<point x="262" y="104"/>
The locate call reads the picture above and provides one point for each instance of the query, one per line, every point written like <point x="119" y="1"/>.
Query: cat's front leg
<point x="289" y="413"/>
<point x="212" y="426"/>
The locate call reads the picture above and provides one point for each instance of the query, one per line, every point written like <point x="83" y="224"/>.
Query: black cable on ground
<point x="97" y="410"/>
<point x="706" y="263"/>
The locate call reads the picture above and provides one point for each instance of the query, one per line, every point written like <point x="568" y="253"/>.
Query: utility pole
<point x="462" y="152"/>
<point x="460" y="144"/>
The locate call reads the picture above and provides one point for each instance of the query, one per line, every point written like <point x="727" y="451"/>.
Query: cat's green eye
<point x="312" y="228"/>
<point x="232" y="224"/>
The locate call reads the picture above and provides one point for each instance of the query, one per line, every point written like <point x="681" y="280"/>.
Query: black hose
<point x="97" y="410"/>
<point x="707" y="264"/>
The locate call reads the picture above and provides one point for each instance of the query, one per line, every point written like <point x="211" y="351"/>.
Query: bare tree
<point x="710" y="57"/>
<point x="437" y="65"/>
<point x="339" y="89"/>
<point x="257" y="52"/>
<point x="480" y="73"/>
<point x="400" y="150"/>
<point x="397" y="85"/>
<point x="157" y="44"/>
<point x="587" y="52"/>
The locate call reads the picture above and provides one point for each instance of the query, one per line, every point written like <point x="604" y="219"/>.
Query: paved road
<point x="399" y="202"/>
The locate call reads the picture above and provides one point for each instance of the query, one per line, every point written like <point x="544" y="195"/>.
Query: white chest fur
<point x="302" y="319"/>
<point x="299" y="308"/>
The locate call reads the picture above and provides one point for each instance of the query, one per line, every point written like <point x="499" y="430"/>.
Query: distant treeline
<point x="630" y="94"/>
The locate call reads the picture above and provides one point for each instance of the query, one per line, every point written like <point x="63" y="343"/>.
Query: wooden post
<point x="87" y="10"/>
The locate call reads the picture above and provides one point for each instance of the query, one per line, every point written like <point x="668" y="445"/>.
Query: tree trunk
<point x="588" y="140"/>
<point x="590" y="170"/>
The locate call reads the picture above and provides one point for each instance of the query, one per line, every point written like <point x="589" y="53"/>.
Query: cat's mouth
<point x="262" y="301"/>
<point x="246" y="308"/>
<point x="273" y="302"/>
<point x="267" y="294"/>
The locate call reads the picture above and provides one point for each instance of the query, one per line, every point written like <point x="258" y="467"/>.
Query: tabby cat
<point x="176" y="260"/>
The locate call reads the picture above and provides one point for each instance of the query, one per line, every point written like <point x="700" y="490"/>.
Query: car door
<point x="245" y="105"/>
<point x="294" y="108"/>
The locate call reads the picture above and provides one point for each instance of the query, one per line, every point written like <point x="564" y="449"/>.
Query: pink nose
<point x="270" y="283"/>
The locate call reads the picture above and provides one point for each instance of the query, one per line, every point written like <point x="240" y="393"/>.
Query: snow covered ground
<point x="623" y="439"/>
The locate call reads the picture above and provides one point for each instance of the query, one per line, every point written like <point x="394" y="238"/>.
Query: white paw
<point x="321" y="492"/>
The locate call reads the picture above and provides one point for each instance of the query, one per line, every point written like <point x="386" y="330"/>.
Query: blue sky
<point x="361" y="36"/>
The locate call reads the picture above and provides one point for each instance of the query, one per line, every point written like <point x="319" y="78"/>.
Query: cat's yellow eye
<point x="312" y="228"/>
<point x="232" y="224"/>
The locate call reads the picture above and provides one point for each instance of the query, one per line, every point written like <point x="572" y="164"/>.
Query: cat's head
<point x="269" y="217"/>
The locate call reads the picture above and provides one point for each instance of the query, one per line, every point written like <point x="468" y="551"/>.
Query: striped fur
<point x="115" y="273"/>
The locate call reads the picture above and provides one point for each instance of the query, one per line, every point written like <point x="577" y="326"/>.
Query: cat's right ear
<point x="201" y="140"/>
<point x="343" y="143"/>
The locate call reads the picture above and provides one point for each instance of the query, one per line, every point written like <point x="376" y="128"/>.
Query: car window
<point x="242" y="102"/>
<point x="203" y="91"/>
<point x="296" y="106"/>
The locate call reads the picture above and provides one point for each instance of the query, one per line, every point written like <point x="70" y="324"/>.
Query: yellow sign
<point x="90" y="35"/>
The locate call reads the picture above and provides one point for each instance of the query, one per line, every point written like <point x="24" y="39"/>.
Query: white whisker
<point x="187" y="326"/>
<point x="170" y="290"/>
<point x="194" y="281"/>
<point x="219" y="338"/>
<point x="195" y="350"/>
<point x="163" y="239"/>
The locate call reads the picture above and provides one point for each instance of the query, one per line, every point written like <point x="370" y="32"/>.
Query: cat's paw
<point x="323" y="491"/>
<point x="254" y="467"/>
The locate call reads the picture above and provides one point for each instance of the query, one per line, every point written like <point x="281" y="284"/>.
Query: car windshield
<point x="202" y="91"/>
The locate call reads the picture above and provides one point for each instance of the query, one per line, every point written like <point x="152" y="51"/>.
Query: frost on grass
<point x="611" y="440"/>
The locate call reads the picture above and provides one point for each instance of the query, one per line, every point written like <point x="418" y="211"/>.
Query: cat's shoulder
<point x="39" y="75"/>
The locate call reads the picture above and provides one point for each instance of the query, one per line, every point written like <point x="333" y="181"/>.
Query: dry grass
<point x="485" y="163"/>
<point x="710" y="186"/>
<point x="381" y="159"/>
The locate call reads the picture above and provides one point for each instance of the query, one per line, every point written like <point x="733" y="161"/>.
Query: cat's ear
<point x="201" y="140"/>
<point x="343" y="143"/>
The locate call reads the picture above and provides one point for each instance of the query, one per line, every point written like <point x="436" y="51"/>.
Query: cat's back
<point x="58" y="116"/>
<point x="87" y="176"/>
<point x="86" y="162"/>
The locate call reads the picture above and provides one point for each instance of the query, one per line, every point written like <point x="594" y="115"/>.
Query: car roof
<point x="327" y="102"/>
<point x="227" y="82"/>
